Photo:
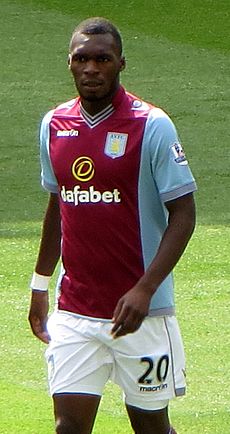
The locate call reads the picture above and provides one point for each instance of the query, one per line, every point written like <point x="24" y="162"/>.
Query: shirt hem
<point x="178" y="192"/>
<point x="168" y="311"/>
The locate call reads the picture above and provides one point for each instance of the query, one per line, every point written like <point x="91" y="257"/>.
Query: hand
<point x="38" y="315"/>
<point x="130" y="311"/>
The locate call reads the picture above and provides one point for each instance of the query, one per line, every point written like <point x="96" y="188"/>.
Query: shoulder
<point x="138" y="106"/>
<point x="155" y="116"/>
<point x="59" y="109"/>
<point x="160" y="124"/>
<point x="66" y="106"/>
<point x="131" y="105"/>
<point x="158" y="116"/>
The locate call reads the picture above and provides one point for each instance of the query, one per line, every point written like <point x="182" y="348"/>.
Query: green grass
<point x="202" y="281"/>
<point x="177" y="57"/>
<point x="187" y="77"/>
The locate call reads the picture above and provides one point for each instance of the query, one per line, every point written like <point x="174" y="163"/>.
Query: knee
<point x="70" y="426"/>
<point x="64" y="426"/>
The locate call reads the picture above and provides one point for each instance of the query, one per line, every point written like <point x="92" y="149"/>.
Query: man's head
<point x="98" y="26"/>
<point x="95" y="60"/>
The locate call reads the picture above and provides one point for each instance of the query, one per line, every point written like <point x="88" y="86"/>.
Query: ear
<point x="69" y="60"/>
<point x="122" y="63"/>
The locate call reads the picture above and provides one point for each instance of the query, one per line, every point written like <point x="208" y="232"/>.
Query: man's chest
<point x="107" y="155"/>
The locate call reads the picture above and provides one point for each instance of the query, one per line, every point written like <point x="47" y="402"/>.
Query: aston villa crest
<point x="115" y="144"/>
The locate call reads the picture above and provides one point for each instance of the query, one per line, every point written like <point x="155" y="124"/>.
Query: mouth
<point x="92" y="84"/>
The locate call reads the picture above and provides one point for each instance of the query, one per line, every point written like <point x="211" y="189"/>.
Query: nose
<point x="91" y="67"/>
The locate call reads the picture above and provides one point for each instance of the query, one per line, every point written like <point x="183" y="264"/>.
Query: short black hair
<point x="99" y="26"/>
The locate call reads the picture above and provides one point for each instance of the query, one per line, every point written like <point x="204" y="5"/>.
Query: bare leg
<point x="75" y="413"/>
<point x="149" y="422"/>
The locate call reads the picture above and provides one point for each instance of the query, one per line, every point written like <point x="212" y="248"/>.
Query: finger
<point x="39" y="330"/>
<point x="116" y="328"/>
<point x="126" y="321"/>
<point x="44" y="337"/>
<point x="130" y="325"/>
<point x="119" y="316"/>
<point x="117" y="311"/>
<point x="116" y="331"/>
<point x="119" y="321"/>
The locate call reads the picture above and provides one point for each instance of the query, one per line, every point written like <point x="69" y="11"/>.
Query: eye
<point x="79" y="58"/>
<point x="103" y="59"/>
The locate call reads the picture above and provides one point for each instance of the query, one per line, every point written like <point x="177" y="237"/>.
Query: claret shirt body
<point x="113" y="173"/>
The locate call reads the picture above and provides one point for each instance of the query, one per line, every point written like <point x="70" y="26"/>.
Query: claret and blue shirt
<point x="113" y="173"/>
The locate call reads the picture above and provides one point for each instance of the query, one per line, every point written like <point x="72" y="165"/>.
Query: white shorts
<point x="148" y="365"/>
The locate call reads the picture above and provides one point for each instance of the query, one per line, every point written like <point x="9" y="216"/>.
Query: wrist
<point x="147" y="286"/>
<point x="39" y="282"/>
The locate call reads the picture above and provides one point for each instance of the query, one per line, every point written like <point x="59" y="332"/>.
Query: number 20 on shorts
<point x="160" y="367"/>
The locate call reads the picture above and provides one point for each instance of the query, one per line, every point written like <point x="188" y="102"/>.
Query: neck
<point x="96" y="106"/>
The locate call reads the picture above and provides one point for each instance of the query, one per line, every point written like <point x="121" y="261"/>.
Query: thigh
<point x="75" y="413"/>
<point x="149" y="422"/>
<point x="149" y="364"/>
<point x="77" y="361"/>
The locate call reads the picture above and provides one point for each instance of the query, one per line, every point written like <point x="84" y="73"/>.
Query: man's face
<point x="95" y="63"/>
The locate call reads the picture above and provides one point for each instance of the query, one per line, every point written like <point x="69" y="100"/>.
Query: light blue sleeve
<point x="48" y="179"/>
<point x="169" y="165"/>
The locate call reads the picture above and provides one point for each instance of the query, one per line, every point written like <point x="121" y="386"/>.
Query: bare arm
<point x="48" y="256"/>
<point x="134" y="305"/>
<point x="49" y="252"/>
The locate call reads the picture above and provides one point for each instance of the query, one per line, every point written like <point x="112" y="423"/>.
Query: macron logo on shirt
<point x="67" y="133"/>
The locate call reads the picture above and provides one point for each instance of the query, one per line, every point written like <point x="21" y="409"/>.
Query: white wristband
<point x="39" y="282"/>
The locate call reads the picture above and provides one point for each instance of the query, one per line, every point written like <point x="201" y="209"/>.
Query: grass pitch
<point x="178" y="58"/>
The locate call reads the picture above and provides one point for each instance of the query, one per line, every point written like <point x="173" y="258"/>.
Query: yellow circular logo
<point x="83" y="169"/>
